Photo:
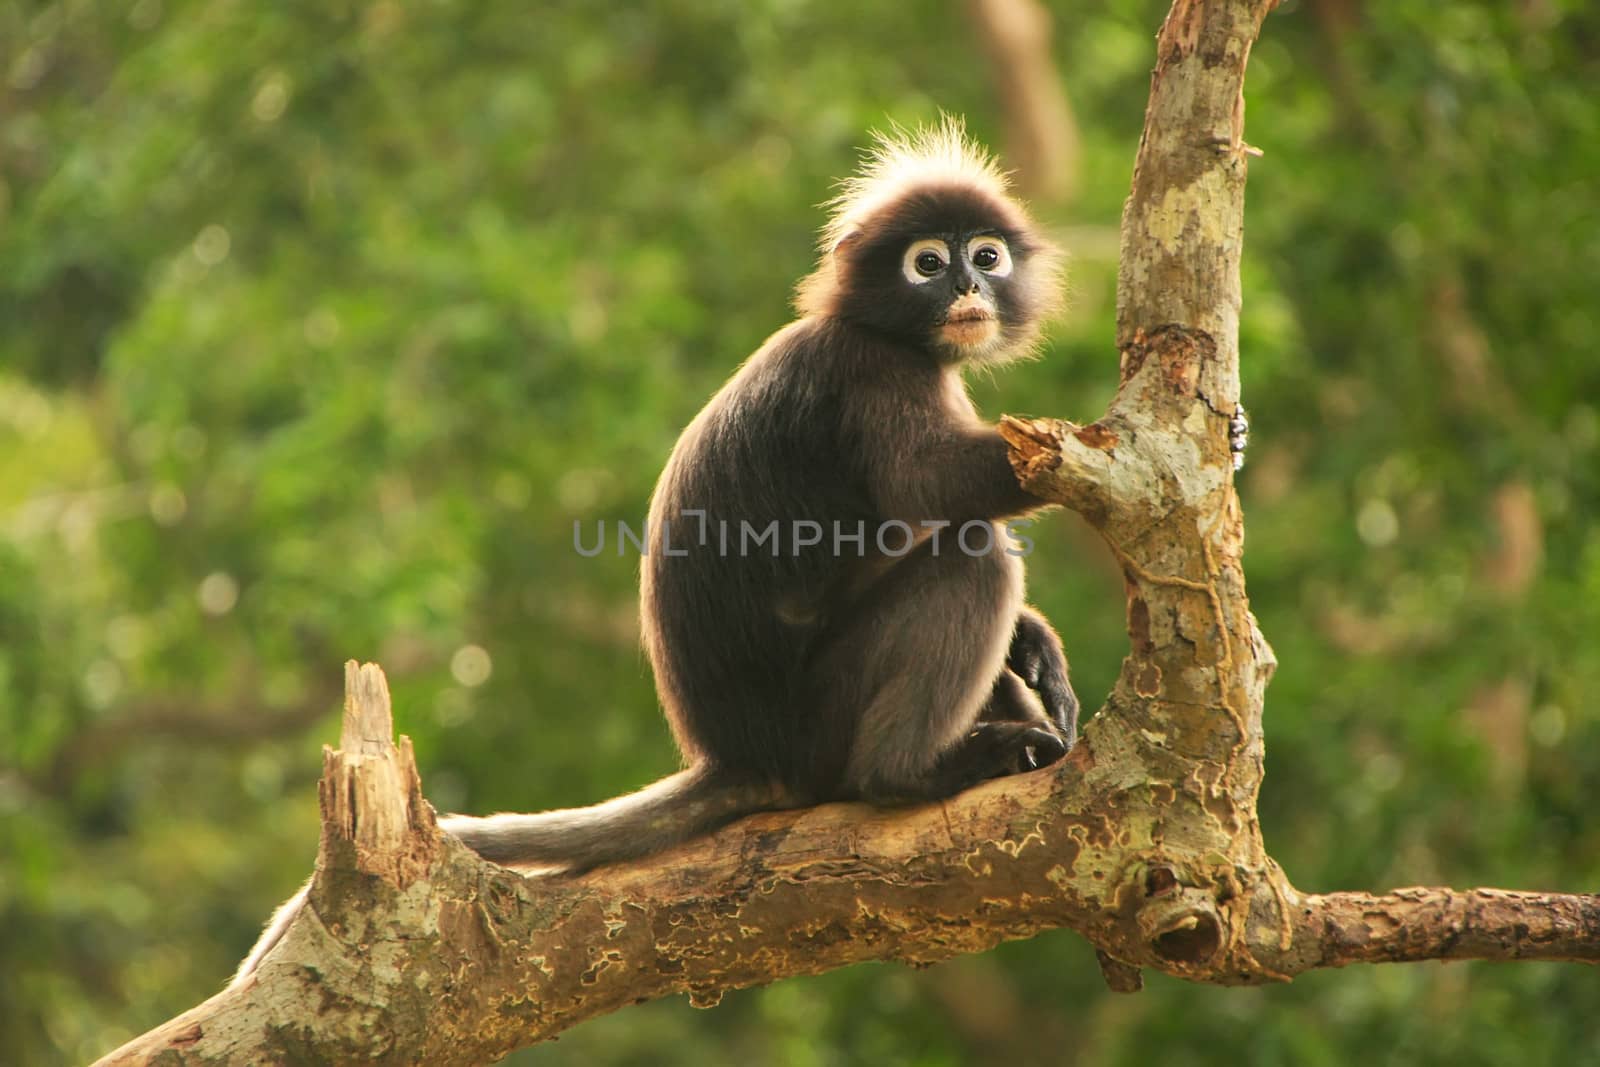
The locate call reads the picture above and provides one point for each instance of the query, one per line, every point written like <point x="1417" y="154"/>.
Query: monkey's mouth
<point x="968" y="326"/>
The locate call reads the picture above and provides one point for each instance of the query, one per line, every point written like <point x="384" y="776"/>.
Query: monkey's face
<point x="954" y="276"/>
<point x="945" y="270"/>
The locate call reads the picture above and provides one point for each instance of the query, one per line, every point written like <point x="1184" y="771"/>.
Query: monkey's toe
<point x="1040" y="748"/>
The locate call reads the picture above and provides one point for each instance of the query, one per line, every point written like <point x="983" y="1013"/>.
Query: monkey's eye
<point x="990" y="255"/>
<point x="924" y="259"/>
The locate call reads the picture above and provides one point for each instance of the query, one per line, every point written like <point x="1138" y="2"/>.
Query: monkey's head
<point x="925" y="245"/>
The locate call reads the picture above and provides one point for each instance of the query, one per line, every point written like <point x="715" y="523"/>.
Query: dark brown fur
<point x="832" y="671"/>
<point x="837" y="671"/>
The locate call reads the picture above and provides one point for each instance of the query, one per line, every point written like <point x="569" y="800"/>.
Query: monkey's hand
<point x="1238" y="435"/>
<point x="1037" y="658"/>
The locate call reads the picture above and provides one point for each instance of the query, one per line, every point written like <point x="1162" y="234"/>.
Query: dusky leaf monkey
<point x="830" y="602"/>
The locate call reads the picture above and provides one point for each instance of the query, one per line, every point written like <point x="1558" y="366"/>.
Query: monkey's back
<point x="731" y="607"/>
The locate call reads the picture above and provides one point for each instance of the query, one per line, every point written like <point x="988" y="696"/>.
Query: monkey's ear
<point x="818" y="291"/>
<point x="843" y="244"/>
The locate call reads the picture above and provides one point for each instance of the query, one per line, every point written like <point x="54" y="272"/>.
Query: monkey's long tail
<point x="683" y="805"/>
<point x="680" y="806"/>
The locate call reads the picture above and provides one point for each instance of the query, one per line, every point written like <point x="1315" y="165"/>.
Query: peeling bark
<point x="1145" y="839"/>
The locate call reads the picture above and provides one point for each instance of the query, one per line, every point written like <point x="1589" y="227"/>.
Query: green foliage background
<point x="320" y="324"/>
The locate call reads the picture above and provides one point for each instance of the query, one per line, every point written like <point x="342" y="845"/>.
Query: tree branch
<point x="1408" y="925"/>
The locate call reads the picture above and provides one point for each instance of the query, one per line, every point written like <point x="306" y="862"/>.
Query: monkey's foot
<point x="1034" y="756"/>
<point x="997" y="749"/>
<point x="1036" y="658"/>
<point x="1061" y="704"/>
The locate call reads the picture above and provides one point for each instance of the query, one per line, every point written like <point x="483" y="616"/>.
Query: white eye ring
<point x="908" y="263"/>
<point x="1002" y="265"/>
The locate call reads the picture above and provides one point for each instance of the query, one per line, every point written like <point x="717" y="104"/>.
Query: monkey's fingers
<point x="1061" y="704"/>
<point x="1238" y="435"/>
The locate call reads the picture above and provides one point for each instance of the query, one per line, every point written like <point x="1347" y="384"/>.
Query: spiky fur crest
<point x="901" y="161"/>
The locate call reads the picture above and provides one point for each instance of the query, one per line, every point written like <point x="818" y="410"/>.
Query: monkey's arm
<point x="954" y="476"/>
